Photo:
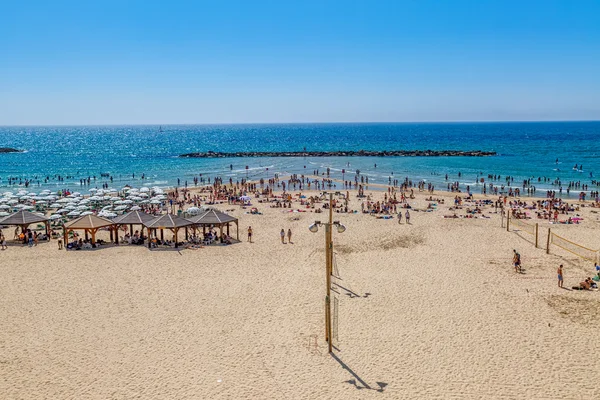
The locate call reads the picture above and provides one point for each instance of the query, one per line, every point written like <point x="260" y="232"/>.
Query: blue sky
<point x="160" y="62"/>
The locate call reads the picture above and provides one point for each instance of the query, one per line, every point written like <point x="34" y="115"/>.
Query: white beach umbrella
<point x="95" y="198"/>
<point x="86" y="213"/>
<point x="62" y="211"/>
<point x="64" y="200"/>
<point x="55" y="216"/>
<point x="135" y="208"/>
<point x="154" y="202"/>
<point x="13" y="201"/>
<point x="193" y="210"/>
<point x="128" y="201"/>
<point x="120" y="208"/>
<point x="144" y="189"/>
<point x="55" y="205"/>
<point x="4" y="214"/>
<point x="115" y="198"/>
<point x="106" y="207"/>
<point x="4" y="207"/>
<point x="119" y="202"/>
<point x="74" y="213"/>
<point x="82" y="207"/>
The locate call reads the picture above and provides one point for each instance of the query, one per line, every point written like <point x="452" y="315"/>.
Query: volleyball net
<point x="524" y="226"/>
<point x="581" y="251"/>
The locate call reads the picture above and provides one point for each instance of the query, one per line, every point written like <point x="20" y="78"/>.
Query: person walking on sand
<point x="250" y="234"/>
<point x="2" y="241"/>
<point x="282" y="234"/>
<point x="290" y="236"/>
<point x="400" y="217"/>
<point x="560" y="276"/>
<point x="517" y="261"/>
<point x="407" y="217"/>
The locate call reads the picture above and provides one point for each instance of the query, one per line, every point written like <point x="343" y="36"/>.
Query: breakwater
<point x="339" y="153"/>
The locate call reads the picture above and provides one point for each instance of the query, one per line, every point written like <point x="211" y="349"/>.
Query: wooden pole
<point x="536" y="234"/>
<point x="328" y="255"/>
<point x="548" y="242"/>
<point x="175" y="232"/>
<point x="508" y="221"/>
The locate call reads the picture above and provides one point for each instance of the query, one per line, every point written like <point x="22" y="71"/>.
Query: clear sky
<point x="221" y="61"/>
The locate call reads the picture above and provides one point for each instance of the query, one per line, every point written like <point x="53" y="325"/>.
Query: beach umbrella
<point x="55" y="216"/>
<point x="114" y="198"/>
<point x="86" y="213"/>
<point x="64" y="200"/>
<point x="62" y="211"/>
<point x="128" y="201"/>
<point x="144" y="195"/>
<point x="95" y="198"/>
<point x="144" y="189"/>
<point x="120" y="208"/>
<point x="154" y="202"/>
<point x="144" y="201"/>
<point x="55" y="205"/>
<point x="41" y="202"/>
<point x="82" y="208"/>
<point x="135" y="208"/>
<point x="13" y="201"/>
<point x="4" y="214"/>
<point x="4" y="207"/>
<point x="74" y="213"/>
<point x="193" y="210"/>
<point x="108" y="215"/>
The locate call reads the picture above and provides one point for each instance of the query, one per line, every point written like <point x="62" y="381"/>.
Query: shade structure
<point x="133" y="218"/>
<point x="23" y="218"/>
<point x="90" y="224"/>
<point x="218" y="218"/>
<point x="213" y="217"/>
<point x="168" y="221"/>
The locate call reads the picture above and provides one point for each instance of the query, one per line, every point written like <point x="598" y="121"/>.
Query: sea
<point x="525" y="150"/>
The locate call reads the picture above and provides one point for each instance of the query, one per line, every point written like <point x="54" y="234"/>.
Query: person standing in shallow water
<point x="560" y="276"/>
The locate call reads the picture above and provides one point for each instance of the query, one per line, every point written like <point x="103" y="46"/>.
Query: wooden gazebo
<point x="170" y="222"/>
<point x="90" y="224"/>
<point x="133" y="218"/>
<point x="214" y="217"/>
<point x="25" y="218"/>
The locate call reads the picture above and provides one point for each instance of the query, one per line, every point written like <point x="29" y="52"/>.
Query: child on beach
<point x="560" y="276"/>
<point x="517" y="261"/>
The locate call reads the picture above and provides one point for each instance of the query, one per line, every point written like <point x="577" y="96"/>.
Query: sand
<point x="431" y="310"/>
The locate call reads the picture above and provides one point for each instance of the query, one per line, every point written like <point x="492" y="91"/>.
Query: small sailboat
<point x="160" y="129"/>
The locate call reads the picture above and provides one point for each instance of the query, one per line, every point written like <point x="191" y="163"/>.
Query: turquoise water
<point x="525" y="150"/>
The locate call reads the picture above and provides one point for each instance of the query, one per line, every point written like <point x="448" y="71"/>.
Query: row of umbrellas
<point x="107" y="202"/>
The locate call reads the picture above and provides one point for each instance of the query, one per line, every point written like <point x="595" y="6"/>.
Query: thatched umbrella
<point x="133" y="218"/>
<point x="167" y="221"/>
<point x="90" y="224"/>
<point x="214" y="217"/>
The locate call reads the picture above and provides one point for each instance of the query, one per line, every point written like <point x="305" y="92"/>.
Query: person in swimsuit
<point x="250" y="234"/>
<point x="560" y="276"/>
<point x="517" y="261"/>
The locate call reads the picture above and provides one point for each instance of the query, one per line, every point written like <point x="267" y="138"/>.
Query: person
<point x="407" y="216"/>
<point x="290" y="236"/>
<point x="250" y="234"/>
<point x="2" y="241"/>
<point x="400" y="217"/>
<point x="597" y="269"/>
<point x="517" y="261"/>
<point x="282" y="234"/>
<point x="560" y="276"/>
<point x="60" y="243"/>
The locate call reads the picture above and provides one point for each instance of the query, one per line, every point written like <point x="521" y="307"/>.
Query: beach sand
<point x="428" y="310"/>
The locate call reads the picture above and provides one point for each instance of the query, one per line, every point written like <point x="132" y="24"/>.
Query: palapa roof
<point x="213" y="217"/>
<point x="90" y="221"/>
<point x="168" y="221"/>
<point x="22" y="217"/>
<point x="133" y="217"/>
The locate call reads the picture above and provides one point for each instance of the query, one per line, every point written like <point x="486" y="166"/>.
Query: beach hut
<point x="170" y="222"/>
<point x="214" y="217"/>
<point x="133" y="218"/>
<point x="24" y="218"/>
<point x="90" y="224"/>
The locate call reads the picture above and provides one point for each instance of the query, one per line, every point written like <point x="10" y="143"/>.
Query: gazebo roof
<point x="90" y="221"/>
<point x="168" y="221"/>
<point x="22" y="217"/>
<point x="133" y="217"/>
<point x="213" y="217"/>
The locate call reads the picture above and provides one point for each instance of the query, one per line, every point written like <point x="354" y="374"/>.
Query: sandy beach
<point x="428" y="310"/>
